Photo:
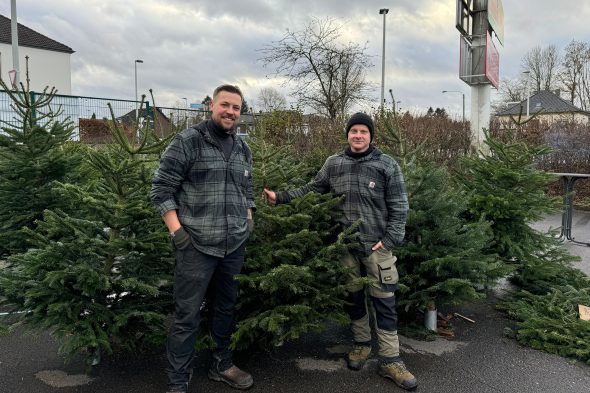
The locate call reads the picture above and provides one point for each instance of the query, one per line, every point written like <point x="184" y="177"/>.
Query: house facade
<point x="545" y="106"/>
<point x="49" y="60"/>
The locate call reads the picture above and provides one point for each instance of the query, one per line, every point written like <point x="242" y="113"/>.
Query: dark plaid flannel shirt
<point x="375" y="193"/>
<point x="211" y="194"/>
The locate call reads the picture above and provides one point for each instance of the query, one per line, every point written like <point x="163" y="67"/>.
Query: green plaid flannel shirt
<point x="374" y="191"/>
<point x="211" y="194"/>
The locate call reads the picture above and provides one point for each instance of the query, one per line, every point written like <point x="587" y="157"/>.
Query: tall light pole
<point x="185" y="108"/>
<point x="383" y="11"/>
<point x="528" y="93"/>
<point x="14" y="35"/>
<point x="460" y="92"/>
<point x="136" y="108"/>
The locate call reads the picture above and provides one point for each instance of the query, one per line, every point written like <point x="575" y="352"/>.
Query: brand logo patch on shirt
<point x="246" y="173"/>
<point x="371" y="184"/>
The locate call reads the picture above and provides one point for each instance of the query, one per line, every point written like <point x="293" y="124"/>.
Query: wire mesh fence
<point x="76" y="108"/>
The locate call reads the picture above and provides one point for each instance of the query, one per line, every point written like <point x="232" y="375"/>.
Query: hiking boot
<point x="358" y="356"/>
<point x="233" y="376"/>
<point x="399" y="374"/>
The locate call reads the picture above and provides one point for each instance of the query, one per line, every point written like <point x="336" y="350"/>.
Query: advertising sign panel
<point x="492" y="63"/>
<point x="496" y="18"/>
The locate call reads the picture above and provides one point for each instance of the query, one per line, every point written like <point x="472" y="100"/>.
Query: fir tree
<point x="292" y="282"/>
<point x="506" y="188"/>
<point x="444" y="258"/>
<point x="509" y="191"/>
<point x="32" y="158"/>
<point x="551" y="322"/>
<point x="99" y="278"/>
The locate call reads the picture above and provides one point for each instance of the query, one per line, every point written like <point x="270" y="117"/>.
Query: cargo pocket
<point x="388" y="275"/>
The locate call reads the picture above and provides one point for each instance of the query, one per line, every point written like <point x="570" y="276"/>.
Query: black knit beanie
<point x="360" y="118"/>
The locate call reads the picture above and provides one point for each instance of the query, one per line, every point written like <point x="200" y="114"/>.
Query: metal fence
<point x="75" y="108"/>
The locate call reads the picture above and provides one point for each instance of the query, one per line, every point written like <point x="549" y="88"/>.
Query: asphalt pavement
<point x="479" y="358"/>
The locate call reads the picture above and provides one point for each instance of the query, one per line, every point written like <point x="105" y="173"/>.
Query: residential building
<point x="545" y="106"/>
<point x="48" y="60"/>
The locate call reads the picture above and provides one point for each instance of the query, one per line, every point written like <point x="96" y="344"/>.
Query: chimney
<point x="557" y="92"/>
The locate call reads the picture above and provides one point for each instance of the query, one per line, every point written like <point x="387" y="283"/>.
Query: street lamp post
<point x="528" y="93"/>
<point x="462" y="94"/>
<point x="136" y="108"/>
<point x="185" y="108"/>
<point x="383" y="11"/>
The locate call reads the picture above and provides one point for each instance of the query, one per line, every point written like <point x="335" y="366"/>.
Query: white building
<point x="49" y="60"/>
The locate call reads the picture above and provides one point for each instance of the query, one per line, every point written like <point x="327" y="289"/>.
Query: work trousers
<point x="380" y="268"/>
<point x="194" y="273"/>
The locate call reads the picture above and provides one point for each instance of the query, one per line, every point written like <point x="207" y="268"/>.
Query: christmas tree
<point x="292" y="282"/>
<point x="505" y="186"/>
<point x="33" y="155"/>
<point x="444" y="258"/>
<point x="98" y="278"/>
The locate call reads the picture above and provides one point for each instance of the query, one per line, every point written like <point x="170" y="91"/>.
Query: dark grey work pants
<point x="193" y="274"/>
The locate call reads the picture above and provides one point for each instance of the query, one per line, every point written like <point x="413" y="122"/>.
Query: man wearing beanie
<point x="373" y="185"/>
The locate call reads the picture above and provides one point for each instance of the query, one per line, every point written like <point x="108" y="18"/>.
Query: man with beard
<point x="203" y="190"/>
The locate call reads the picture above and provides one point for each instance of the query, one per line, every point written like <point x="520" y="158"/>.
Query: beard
<point x="220" y="125"/>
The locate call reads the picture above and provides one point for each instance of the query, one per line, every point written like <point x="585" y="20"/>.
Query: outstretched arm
<point x="269" y="196"/>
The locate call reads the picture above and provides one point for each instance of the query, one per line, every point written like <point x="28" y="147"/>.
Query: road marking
<point x="60" y="379"/>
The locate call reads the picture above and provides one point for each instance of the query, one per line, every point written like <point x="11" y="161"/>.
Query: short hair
<point x="230" y="89"/>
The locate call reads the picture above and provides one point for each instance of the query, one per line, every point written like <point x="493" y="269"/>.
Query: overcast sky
<point x="189" y="47"/>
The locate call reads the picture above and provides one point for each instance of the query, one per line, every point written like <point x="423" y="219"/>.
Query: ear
<point x="211" y="105"/>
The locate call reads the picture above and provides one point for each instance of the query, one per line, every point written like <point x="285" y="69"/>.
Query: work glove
<point x="181" y="238"/>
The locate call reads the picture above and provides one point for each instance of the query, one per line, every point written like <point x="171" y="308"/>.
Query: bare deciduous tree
<point x="575" y="74"/>
<point x="584" y="88"/>
<point x="327" y="75"/>
<point x="270" y="99"/>
<point x="577" y="53"/>
<point x="513" y="90"/>
<point x="543" y="64"/>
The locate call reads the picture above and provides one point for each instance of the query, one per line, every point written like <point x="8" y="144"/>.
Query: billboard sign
<point x="197" y="106"/>
<point x="496" y="18"/>
<point x="464" y="17"/>
<point x="492" y="63"/>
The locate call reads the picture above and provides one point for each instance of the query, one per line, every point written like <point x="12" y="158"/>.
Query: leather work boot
<point x="357" y="357"/>
<point x="399" y="374"/>
<point x="233" y="376"/>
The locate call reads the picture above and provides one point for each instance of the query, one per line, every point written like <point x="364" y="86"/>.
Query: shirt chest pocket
<point x="373" y="188"/>
<point x="240" y="172"/>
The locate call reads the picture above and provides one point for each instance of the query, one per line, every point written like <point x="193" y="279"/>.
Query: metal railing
<point x="75" y="108"/>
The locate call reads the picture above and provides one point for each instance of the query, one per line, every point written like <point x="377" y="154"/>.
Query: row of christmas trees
<point x="88" y="259"/>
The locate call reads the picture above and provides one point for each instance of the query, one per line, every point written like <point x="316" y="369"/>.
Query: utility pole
<point x="383" y="11"/>
<point x="14" y="33"/>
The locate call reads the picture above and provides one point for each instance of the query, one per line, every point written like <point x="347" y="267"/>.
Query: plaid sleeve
<point x="320" y="184"/>
<point x="169" y="176"/>
<point x="249" y="185"/>
<point x="396" y="200"/>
